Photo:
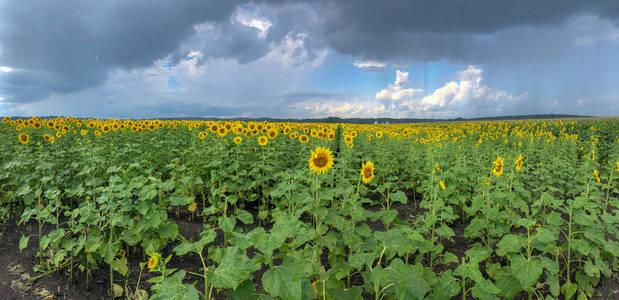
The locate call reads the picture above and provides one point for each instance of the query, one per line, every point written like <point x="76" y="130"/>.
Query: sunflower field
<point x="255" y="210"/>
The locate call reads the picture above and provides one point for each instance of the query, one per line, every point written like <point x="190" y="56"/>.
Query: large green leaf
<point x="172" y="288"/>
<point x="445" y="287"/>
<point x="232" y="268"/>
<point x="285" y="280"/>
<point x="408" y="280"/>
<point x="526" y="271"/>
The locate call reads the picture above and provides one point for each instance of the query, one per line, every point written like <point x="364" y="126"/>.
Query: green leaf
<point x="399" y="196"/>
<point x="568" y="290"/>
<point x="265" y="242"/>
<point x="445" y="231"/>
<point x="543" y="237"/>
<point x="508" y="284"/>
<point x="23" y="242"/>
<point x="232" y="268"/>
<point x="511" y="243"/>
<point x="446" y="287"/>
<point x="169" y="230"/>
<point x="245" y="291"/>
<point x="581" y="245"/>
<point x="285" y="280"/>
<point x="408" y="280"/>
<point x="526" y="271"/>
<point x="172" y="288"/>
<point x="120" y="265"/>
<point x="244" y="216"/>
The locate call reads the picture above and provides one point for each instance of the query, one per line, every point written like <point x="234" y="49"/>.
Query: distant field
<point x="261" y="210"/>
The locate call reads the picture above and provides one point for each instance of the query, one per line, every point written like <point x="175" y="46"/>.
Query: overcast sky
<point x="307" y="59"/>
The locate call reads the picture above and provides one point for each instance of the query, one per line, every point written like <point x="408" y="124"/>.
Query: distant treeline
<point x="367" y="120"/>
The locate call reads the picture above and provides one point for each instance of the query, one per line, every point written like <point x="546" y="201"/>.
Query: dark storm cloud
<point x="452" y="29"/>
<point x="67" y="46"/>
<point x="64" y="46"/>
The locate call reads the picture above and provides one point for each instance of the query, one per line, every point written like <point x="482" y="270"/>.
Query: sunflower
<point x="370" y="137"/>
<point x="192" y="206"/>
<point x="238" y="140"/>
<point x="321" y="160"/>
<point x="153" y="261"/>
<point x="46" y="137"/>
<point x="106" y="128"/>
<point x="272" y="133"/>
<point x="303" y="139"/>
<point x="23" y="138"/>
<point x="263" y="140"/>
<point x="597" y="175"/>
<point x="498" y="167"/>
<point x="201" y="135"/>
<point x="122" y="252"/>
<point x="214" y="128"/>
<point x="379" y="134"/>
<point x="52" y="139"/>
<point x="519" y="163"/>
<point x="437" y="167"/>
<point x="293" y="135"/>
<point x="350" y="145"/>
<point x="6" y="120"/>
<point x="348" y="139"/>
<point x="367" y="172"/>
<point x="222" y="132"/>
<point x="442" y="184"/>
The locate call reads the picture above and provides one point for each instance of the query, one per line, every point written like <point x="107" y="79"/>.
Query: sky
<point x="308" y="59"/>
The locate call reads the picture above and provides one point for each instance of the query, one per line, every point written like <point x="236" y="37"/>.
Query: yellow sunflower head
<point x="272" y="133"/>
<point x="303" y="139"/>
<point x="498" y="167"/>
<point x="442" y="184"/>
<point x="238" y="140"/>
<point x="23" y="138"/>
<point x="597" y="175"/>
<point x="321" y="160"/>
<point x="367" y="172"/>
<point x="263" y="140"/>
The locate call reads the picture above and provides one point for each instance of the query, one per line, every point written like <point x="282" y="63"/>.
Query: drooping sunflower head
<point x="238" y="140"/>
<point x="303" y="139"/>
<point x="321" y="160"/>
<point x="367" y="172"/>
<point x="153" y="261"/>
<point x="498" y="167"/>
<point x="263" y="140"/>
<point x="519" y="163"/>
<point x="23" y="138"/>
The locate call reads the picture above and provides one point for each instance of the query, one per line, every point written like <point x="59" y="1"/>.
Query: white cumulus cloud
<point x="464" y="96"/>
<point x="397" y="90"/>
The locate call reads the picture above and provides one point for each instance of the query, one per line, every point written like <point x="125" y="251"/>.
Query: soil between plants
<point x="14" y="263"/>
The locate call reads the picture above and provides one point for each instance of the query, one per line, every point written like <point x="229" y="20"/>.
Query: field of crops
<point x="257" y="210"/>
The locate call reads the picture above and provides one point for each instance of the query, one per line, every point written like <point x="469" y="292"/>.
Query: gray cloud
<point x="69" y="46"/>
